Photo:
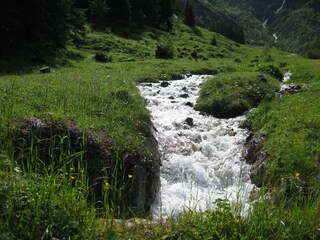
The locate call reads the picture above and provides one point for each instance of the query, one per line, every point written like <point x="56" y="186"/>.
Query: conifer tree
<point x="152" y="11"/>
<point x="120" y="10"/>
<point x="189" y="16"/>
<point x="166" y="13"/>
<point x="99" y="12"/>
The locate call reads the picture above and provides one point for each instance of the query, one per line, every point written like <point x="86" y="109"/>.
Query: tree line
<point x="51" y="24"/>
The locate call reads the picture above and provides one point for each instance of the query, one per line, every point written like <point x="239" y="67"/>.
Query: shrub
<point x="102" y="57"/>
<point x="214" y="41"/>
<point x="271" y="70"/>
<point x="165" y="48"/>
<point x="314" y="54"/>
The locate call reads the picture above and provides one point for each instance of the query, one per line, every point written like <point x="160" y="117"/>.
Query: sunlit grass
<point x="102" y="98"/>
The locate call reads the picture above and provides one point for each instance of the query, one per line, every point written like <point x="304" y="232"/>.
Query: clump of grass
<point x="40" y="207"/>
<point x="271" y="70"/>
<point x="231" y="94"/>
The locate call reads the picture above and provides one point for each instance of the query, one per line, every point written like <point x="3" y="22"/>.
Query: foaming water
<point x="201" y="155"/>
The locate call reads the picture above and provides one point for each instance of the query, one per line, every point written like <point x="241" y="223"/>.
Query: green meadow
<point x="103" y="100"/>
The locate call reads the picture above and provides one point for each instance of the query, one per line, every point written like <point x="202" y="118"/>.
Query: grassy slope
<point x="91" y="94"/>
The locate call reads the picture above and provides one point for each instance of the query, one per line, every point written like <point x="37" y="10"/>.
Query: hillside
<point x="290" y="25"/>
<point x="88" y="174"/>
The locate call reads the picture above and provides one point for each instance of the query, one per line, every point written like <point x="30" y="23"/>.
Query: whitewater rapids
<point x="201" y="155"/>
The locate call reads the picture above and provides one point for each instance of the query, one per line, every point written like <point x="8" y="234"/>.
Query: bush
<point x="102" y="57"/>
<point x="214" y="41"/>
<point x="314" y="54"/>
<point x="271" y="70"/>
<point x="165" y="48"/>
<point x="232" y="94"/>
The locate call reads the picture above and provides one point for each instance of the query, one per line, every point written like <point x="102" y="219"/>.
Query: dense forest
<point x="51" y="24"/>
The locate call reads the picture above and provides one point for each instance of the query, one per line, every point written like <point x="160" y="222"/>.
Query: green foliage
<point x="99" y="13"/>
<point x="271" y="70"/>
<point x="189" y="16"/>
<point x="230" y="95"/>
<point x="314" y="54"/>
<point x="314" y="49"/>
<point x="267" y="52"/>
<point x="165" y="48"/>
<point x="214" y="41"/>
<point x="43" y="208"/>
<point x="102" y="57"/>
<point x="103" y="99"/>
<point x="211" y="224"/>
<point x="290" y="117"/>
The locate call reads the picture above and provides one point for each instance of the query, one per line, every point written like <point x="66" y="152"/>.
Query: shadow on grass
<point x="135" y="31"/>
<point x="196" y="31"/>
<point x="29" y="59"/>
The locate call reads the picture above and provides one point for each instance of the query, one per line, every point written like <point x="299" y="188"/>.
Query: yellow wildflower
<point x="297" y="174"/>
<point x="130" y="176"/>
<point x="106" y="185"/>
<point x="282" y="179"/>
<point x="236" y="220"/>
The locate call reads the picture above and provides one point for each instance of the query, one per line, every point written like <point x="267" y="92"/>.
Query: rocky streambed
<point x="202" y="156"/>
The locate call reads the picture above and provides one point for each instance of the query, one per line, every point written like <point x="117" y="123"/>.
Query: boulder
<point x="102" y="57"/>
<point x="290" y="88"/>
<point x="164" y="84"/>
<point x="184" y="95"/>
<point x="144" y="182"/>
<point x="256" y="156"/>
<point x="190" y="104"/>
<point x="189" y="121"/>
<point x="45" y="69"/>
<point x="262" y="78"/>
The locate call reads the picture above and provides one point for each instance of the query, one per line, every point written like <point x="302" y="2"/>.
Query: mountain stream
<point x="201" y="155"/>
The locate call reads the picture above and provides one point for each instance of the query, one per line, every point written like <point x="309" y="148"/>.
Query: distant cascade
<point x="275" y="38"/>
<point x="281" y="7"/>
<point x="201" y="155"/>
<point x="264" y="24"/>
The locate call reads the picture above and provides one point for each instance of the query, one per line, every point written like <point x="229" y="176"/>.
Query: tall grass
<point x="46" y="200"/>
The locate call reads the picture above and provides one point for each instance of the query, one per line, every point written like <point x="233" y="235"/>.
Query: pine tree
<point x="152" y="9"/>
<point x="99" y="12"/>
<point x="120" y="10"/>
<point x="189" y="14"/>
<point x="166" y="13"/>
<point x="137" y="10"/>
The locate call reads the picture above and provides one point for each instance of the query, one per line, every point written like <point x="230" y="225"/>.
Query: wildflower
<point x="282" y="179"/>
<point x="318" y="177"/>
<point x="130" y="176"/>
<point x="297" y="174"/>
<point x="106" y="185"/>
<point x="236" y="220"/>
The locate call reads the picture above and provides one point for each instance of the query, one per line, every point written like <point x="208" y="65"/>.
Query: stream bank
<point x="202" y="156"/>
